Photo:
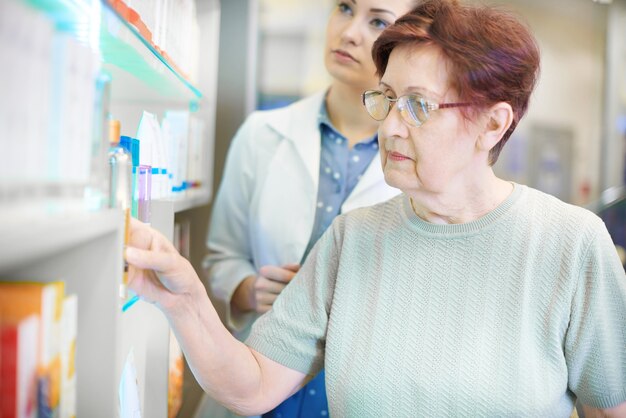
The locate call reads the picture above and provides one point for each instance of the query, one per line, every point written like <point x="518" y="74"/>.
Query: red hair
<point x="493" y="57"/>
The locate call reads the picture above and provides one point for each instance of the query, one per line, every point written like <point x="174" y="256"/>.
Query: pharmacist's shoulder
<point x="307" y="107"/>
<point x="297" y="120"/>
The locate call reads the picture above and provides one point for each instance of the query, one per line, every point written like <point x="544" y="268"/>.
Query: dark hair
<point x="492" y="55"/>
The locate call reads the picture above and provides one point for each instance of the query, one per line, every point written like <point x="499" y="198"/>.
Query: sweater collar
<point x="456" y="230"/>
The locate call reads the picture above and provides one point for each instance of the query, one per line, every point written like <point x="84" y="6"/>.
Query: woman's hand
<point x="270" y="282"/>
<point x="258" y="293"/>
<point x="157" y="272"/>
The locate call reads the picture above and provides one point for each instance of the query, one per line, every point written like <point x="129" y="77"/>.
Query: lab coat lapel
<point x="289" y="199"/>
<point x="300" y="126"/>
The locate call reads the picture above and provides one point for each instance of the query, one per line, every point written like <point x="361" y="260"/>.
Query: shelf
<point x="192" y="199"/>
<point x="49" y="228"/>
<point x="28" y="239"/>
<point x="187" y="200"/>
<point x="27" y="236"/>
<point x="140" y="73"/>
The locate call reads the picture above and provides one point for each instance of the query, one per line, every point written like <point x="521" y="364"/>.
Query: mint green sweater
<point x="515" y="314"/>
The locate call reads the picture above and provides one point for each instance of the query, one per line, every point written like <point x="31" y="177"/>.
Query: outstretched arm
<point x="240" y="378"/>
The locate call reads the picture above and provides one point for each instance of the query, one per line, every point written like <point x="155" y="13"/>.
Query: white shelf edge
<point x="192" y="199"/>
<point x="28" y="241"/>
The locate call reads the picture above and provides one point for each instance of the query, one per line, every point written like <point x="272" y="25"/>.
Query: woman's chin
<point x="398" y="180"/>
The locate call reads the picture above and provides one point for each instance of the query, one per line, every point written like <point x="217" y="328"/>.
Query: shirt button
<point x="320" y="204"/>
<point x="327" y="170"/>
<point x="312" y="392"/>
<point x="336" y="176"/>
<point x="323" y="413"/>
<point x="329" y="209"/>
<point x="338" y="141"/>
<point x="375" y="146"/>
<point x="356" y="159"/>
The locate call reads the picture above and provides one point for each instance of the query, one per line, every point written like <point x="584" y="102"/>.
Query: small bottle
<point x="120" y="170"/>
<point x="120" y="193"/>
<point x="131" y="145"/>
<point x="144" y="192"/>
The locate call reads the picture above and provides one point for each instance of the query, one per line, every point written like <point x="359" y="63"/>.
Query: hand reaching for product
<point x="157" y="272"/>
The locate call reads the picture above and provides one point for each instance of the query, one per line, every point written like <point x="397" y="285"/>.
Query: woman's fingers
<point x="140" y="235"/>
<point x="145" y="237"/>
<point x="265" y="299"/>
<point x="292" y="267"/>
<point x="147" y="259"/>
<point x="145" y="283"/>
<point x="276" y="273"/>
<point x="265" y="285"/>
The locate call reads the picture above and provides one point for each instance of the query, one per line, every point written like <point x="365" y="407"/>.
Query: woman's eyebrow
<point x="377" y="10"/>
<point x="383" y="11"/>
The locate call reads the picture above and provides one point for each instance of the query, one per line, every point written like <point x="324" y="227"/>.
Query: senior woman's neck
<point x="460" y="204"/>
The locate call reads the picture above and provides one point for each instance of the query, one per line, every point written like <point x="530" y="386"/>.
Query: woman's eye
<point x="379" y="23"/>
<point x="344" y="8"/>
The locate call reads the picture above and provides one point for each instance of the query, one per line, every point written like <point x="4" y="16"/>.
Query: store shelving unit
<point x="84" y="248"/>
<point x="85" y="251"/>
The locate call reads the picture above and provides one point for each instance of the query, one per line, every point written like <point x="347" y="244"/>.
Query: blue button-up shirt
<point x="341" y="168"/>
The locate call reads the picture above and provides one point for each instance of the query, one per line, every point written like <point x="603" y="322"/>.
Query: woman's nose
<point x="393" y="125"/>
<point x="352" y="32"/>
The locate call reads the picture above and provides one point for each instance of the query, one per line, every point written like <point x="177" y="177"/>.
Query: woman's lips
<point x="396" y="156"/>
<point x="343" y="55"/>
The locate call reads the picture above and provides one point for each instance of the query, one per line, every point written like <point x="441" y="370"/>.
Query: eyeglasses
<point x="413" y="108"/>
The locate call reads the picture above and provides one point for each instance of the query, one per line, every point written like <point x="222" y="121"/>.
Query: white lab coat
<point x="265" y="208"/>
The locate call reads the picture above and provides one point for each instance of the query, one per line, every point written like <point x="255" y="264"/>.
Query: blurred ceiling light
<point x="603" y="1"/>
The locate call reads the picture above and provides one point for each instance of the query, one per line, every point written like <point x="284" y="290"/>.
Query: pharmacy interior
<point x="112" y="109"/>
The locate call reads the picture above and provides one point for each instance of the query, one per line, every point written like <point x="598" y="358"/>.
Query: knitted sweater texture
<point x="517" y="313"/>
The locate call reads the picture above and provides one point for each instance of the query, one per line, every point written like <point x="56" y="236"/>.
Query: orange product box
<point x="19" y="342"/>
<point x="19" y="300"/>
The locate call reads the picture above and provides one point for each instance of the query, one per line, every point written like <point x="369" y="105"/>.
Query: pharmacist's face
<point x="352" y="28"/>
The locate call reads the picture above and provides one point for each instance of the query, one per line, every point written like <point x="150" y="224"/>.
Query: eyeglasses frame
<point x="430" y="106"/>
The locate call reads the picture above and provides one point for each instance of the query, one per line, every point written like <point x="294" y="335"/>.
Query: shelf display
<point x="71" y="66"/>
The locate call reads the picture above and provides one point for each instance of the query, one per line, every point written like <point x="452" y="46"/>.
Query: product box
<point x="18" y="301"/>
<point x="19" y="342"/>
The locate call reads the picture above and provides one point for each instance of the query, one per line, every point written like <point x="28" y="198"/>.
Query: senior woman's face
<point x="440" y="153"/>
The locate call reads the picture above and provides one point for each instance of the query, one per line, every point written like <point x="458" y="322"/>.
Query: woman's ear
<point x="498" y="120"/>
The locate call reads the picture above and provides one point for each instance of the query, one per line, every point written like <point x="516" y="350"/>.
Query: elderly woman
<point x="466" y="295"/>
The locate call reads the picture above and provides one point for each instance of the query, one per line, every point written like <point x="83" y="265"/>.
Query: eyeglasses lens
<point x="413" y="109"/>
<point x="377" y="105"/>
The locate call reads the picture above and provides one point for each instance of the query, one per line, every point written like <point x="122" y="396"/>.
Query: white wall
<point x="291" y="45"/>
<point x="569" y="94"/>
